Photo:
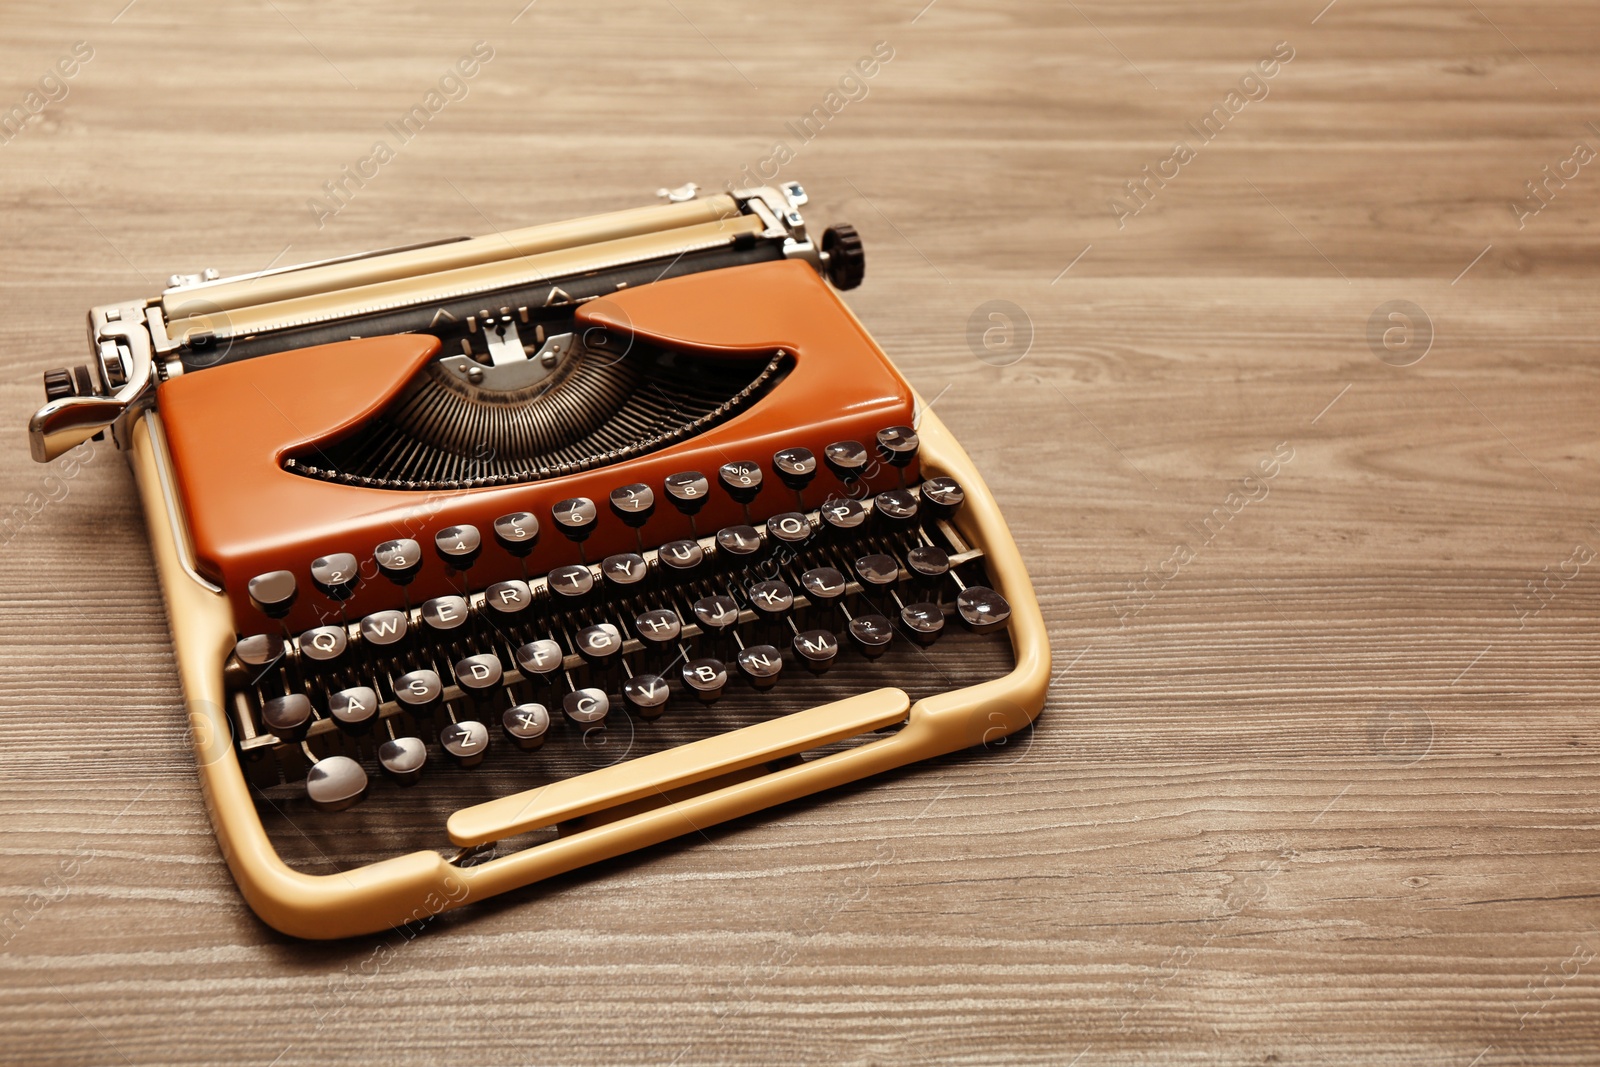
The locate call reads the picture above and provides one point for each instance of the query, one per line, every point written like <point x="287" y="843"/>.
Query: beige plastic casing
<point x="724" y="769"/>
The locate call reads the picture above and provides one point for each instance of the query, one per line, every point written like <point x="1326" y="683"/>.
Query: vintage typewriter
<point x="491" y="558"/>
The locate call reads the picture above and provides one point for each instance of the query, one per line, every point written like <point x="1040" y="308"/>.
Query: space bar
<point x="684" y="765"/>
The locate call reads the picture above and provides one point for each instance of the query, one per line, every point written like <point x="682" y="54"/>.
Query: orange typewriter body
<point x="248" y="515"/>
<point x="645" y="533"/>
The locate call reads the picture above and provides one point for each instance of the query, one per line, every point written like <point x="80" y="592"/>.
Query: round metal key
<point x="526" y="725"/>
<point x="646" y="694"/>
<point x="816" y="649"/>
<point x="942" y="497"/>
<point x="288" y="716"/>
<point x="540" y="660"/>
<point x="681" y="558"/>
<point x="467" y="741"/>
<point x="258" y="652"/>
<point x="336" y="575"/>
<point x="923" y="621"/>
<point x="842" y="513"/>
<point x="741" y="478"/>
<point x="658" y="627"/>
<point x="872" y="634"/>
<point x="571" y="582"/>
<point x="761" y="664"/>
<point x="790" y="528"/>
<point x="458" y="546"/>
<point x="716" y="615"/>
<point x="355" y="709"/>
<point x="982" y="609"/>
<point x="445" y="613"/>
<point x="928" y="563"/>
<point x="624" y="570"/>
<point x="508" y="598"/>
<point x="823" y="586"/>
<point x="576" y="517"/>
<point x="738" y="541"/>
<point x="633" y="504"/>
<point x="688" y="491"/>
<point x="325" y="643"/>
<point x="599" y="644"/>
<point x="895" y="509"/>
<point x="897" y="445"/>
<point x="795" y="467"/>
<point x="383" y="628"/>
<point x="399" y="560"/>
<point x="273" y="594"/>
<point x="335" y="782"/>
<point x="705" y="678"/>
<point x="479" y="675"/>
<point x="402" y="759"/>
<point x="252" y="659"/>
<point x="586" y="706"/>
<point x="418" y="691"/>
<point x="877" y="571"/>
<point x="517" y="532"/>
<point x="846" y="459"/>
<point x="772" y="600"/>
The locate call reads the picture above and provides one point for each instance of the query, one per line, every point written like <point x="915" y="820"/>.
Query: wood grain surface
<point x="1315" y="781"/>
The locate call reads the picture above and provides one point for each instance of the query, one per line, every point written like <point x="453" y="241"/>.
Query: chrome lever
<point x="63" y="424"/>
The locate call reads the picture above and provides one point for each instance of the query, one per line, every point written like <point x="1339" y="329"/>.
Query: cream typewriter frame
<point x="698" y="784"/>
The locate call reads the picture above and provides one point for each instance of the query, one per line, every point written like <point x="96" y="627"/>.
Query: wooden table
<point x="1314" y="784"/>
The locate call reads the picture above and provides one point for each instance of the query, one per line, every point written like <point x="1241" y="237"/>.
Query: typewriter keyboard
<point x="498" y="688"/>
